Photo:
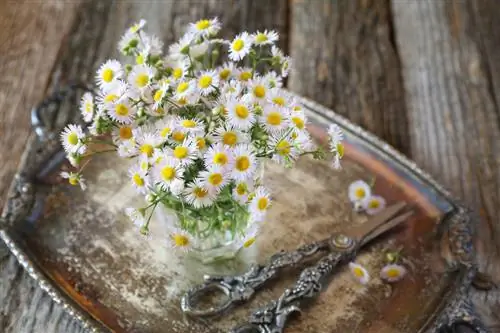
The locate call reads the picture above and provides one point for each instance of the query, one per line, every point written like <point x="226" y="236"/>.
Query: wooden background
<point x="422" y="74"/>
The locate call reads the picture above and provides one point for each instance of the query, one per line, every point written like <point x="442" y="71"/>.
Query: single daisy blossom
<point x="219" y="155"/>
<point x="258" y="90"/>
<point x="215" y="178"/>
<point x="245" y="162"/>
<point x="127" y="148"/>
<point x="240" y="46"/>
<point x="244" y="75"/>
<point x="168" y="171"/>
<point x="230" y="136"/>
<point x="185" y="153"/>
<point x="185" y="89"/>
<point x="108" y="73"/>
<point x="239" y="114"/>
<point x="273" y="80"/>
<point x="122" y="111"/>
<point x="122" y="133"/>
<point x="139" y="179"/>
<point x="275" y="119"/>
<point x="279" y="97"/>
<point x="180" y="240"/>
<point x="112" y="94"/>
<point x="180" y="49"/>
<point x="208" y="81"/>
<point x="140" y="77"/>
<point x="87" y="107"/>
<point x="335" y="134"/>
<point x="373" y="204"/>
<point x="74" y="179"/>
<point x="241" y="191"/>
<point x="393" y="273"/>
<point x="165" y="128"/>
<point x="73" y="139"/>
<point x="359" y="273"/>
<point x="359" y="191"/>
<point x="205" y="27"/>
<point x="198" y="195"/>
<point x="265" y="38"/>
<point x="226" y="71"/>
<point x="284" y="148"/>
<point x="190" y="126"/>
<point x="147" y="141"/>
<point x="260" y="203"/>
<point x="250" y="236"/>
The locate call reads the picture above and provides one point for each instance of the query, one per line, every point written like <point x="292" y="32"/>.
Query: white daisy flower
<point x="198" y="195"/>
<point x="393" y="272"/>
<point x="205" y="27"/>
<point x="244" y="74"/>
<point x="168" y="171"/>
<point x="273" y="80"/>
<point x="226" y="71"/>
<point x="241" y="191"/>
<point x="180" y="49"/>
<point x="139" y="179"/>
<point x="108" y="73"/>
<point x="185" y="89"/>
<point x="335" y="134"/>
<point x="239" y="114"/>
<point x="136" y="216"/>
<point x="230" y="88"/>
<point x="250" y="236"/>
<point x="279" y="97"/>
<point x="180" y="240"/>
<point x="185" y="153"/>
<point x="141" y="77"/>
<point x="298" y="120"/>
<point x="215" y="178"/>
<point x="359" y="273"/>
<point x="219" y="155"/>
<point x="136" y="27"/>
<point x="122" y="133"/>
<point x="179" y="68"/>
<point x="304" y="140"/>
<point x="72" y="139"/>
<point x="265" y="38"/>
<point x="258" y="90"/>
<point x="275" y="119"/>
<point x="284" y="148"/>
<point x="359" y="191"/>
<point x="127" y="148"/>
<point x="260" y="203"/>
<point x="207" y="82"/>
<point x="165" y="128"/>
<point x="74" y="179"/>
<point x="113" y="93"/>
<point x="373" y="204"/>
<point x="240" y="46"/>
<point x="122" y="111"/>
<point x="178" y="135"/>
<point x="245" y="162"/>
<point x="159" y="95"/>
<point x="146" y="141"/>
<point x="230" y="136"/>
<point x="190" y="126"/>
<point x="128" y="43"/>
<point x="87" y="107"/>
<point x="152" y="44"/>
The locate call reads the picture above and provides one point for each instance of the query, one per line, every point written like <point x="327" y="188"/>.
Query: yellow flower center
<point x="142" y="80"/>
<point x="297" y="108"/>
<point x="241" y="188"/>
<point x="144" y="165"/>
<point x="147" y="149"/>
<point x="249" y="242"/>
<point x="110" y="98"/>
<point x="158" y="95"/>
<point x="358" y="272"/>
<point x="238" y="44"/>
<point x="360" y="193"/>
<point x="220" y="158"/>
<point x="177" y="73"/>
<point x="262" y="203"/>
<point x="182" y="101"/>
<point x="205" y="81"/>
<point x="260" y="38"/>
<point x="374" y="204"/>
<point x="178" y="136"/>
<point x="188" y="123"/>
<point x="121" y="110"/>
<point x="168" y="173"/>
<point x="242" y="163"/>
<point x="299" y="122"/>
<point x="241" y="111"/>
<point x="108" y="75"/>
<point x="164" y="132"/>
<point x="181" y="152"/>
<point x="283" y="148"/>
<point x="88" y="107"/>
<point x="259" y="91"/>
<point x="393" y="273"/>
<point x="125" y="133"/>
<point x="202" y="24"/>
<point x="224" y="74"/>
<point x="180" y="240"/>
<point x="245" y="76"/>
<point x="274" y="118"/>
<point x="139" y="59"/>
<point x="215" y="179"/>
<point x="73" y="180"/>
<point x="340" y="149"/>
<point x="138" y="180"/>
<point x="73" y="139"/>
<point x="230" y="138"/>
<point x="201" y="143"/>
<point x="182" y="87"/>
<point x="200" y="192"/>
<point x="279" y="101"/>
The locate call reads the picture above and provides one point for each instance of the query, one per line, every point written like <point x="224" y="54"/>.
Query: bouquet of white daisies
<point x="197" y="125"/>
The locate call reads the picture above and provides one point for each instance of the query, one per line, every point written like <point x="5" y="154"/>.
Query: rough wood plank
<point x="450" y="65"/>
<point x="34" y="32"/>
<point x="344" y="58"/>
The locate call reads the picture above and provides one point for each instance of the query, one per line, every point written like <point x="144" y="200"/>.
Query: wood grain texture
<point x="450" y="66"/>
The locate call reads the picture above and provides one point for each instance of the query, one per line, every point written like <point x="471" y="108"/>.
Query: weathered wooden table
<point x="423" y="75"/>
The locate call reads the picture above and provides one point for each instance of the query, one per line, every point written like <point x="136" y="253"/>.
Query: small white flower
<point x="243" y="75"/>
<point x="393" y="273"/>
<point x="250" y="237"/>
<point x="359" y="191"/>
<point x="373" y="204"/>
<point x="220" y="155"/>
<point x="264" y="38"/>
<point x="180" y="49"/>
<point x="139" y="178"/>
<point x="185" y="153"/>
<point x="245" y="162"/>
<point x="226" y="71"/>
<point x="141" y="77"/>
<point x="113" y="93"/>
<point x="108" y="73"/>
<point x="180" y="69"/>
<point x="260" y="203"/>
<point x="184" y="89"/>
<point x="215" y="178"/>
<point x="122" y="133"/>
<point x="74" y="179"/>
<point x="230" y="136"/>
<point x="277" y="54"/>
<point x="201" y="144"/>
<point x="122" y="111"/>
<point x="239" y="114"/>
<point x="336" y="135"/>
<point x="180" y="240"/>
<point x="136" y="216"/>
<point x="146" y="141"/>
<point x="230" y="88"/>
<point x="128" y="42"/>
<point x="273" y="80"/>
<point x="87" y="107"/>
<point x="205" y="27"/>
<point x="198" y="195"/>
<point x="190" y="126"/>
<point x="152" y="44"/>
<point x="240" y="46"/>
<point x="241" y="191"/>
<point x="207" y="82"/>
<point x="258" y="90"/>
<point x="168" y="171"/>
<point x="298" y="120"/>
<point x="359" y="273"/>
<point x="165" y="128"/>
<point x="127" y="148"/>
<point x="275" y="119"/>
<point x="284" y="147"/>
<point x="72" y="139"/>
<point x="304" y="141"/>
<point x="159" y="95"/>
<point x="279" y="97"/>
<point x="136" y="27"/>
